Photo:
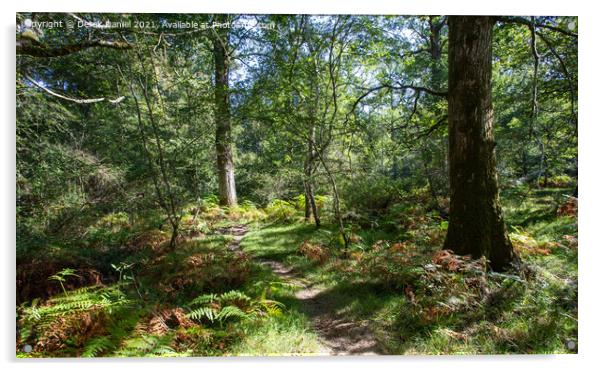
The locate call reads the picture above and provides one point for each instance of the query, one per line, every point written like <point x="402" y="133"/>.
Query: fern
<point x="234" y="297"/>
<point x="97" y="346"/>
<point x="232" y="305"/>
<point x="147" y="345"/>
<point x="88" y="299"/>
<point x="231" y="311"/>
<point x="204" y="299"/>
<point x="60" y="277"/>
<point x="203" y="313"/>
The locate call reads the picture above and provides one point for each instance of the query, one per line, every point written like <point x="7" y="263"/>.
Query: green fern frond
<point x="97" y="346"/>
<point x="232" y="296"/>
<point x="147" y="345"/>
<point x="203" y="299"/>
<point x="231" y="311"/>
<point x="203" y="313"/>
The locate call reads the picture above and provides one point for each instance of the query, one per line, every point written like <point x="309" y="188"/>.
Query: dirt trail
<point x="337" y="335"/>
<point x="238" y="231"/>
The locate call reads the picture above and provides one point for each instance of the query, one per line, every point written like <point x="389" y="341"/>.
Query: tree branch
<point x="75" y="100"/>
<point x="417" y="89"/>
<point x="528" y="23"/>
<point x="41" y="51"/>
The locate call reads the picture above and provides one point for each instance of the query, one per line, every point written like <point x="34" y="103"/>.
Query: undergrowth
<point x="205" y="299"/>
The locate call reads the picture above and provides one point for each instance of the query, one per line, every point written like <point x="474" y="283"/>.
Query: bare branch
<point x="75" y="100"/>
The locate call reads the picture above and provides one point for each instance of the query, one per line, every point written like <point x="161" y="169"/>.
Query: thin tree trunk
<point x="310" y="205"/>
<point x="307" y="204"/>
<point x="336" y="203"/>
<point x="223" y="134"/>
<point x="476" y="225"/>
<point x="310" y="201"/>
<point x="170" y="209"/>
<point x="314" y="207"/>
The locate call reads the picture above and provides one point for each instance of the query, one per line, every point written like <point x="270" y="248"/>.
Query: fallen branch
<point x="75" y="100"/>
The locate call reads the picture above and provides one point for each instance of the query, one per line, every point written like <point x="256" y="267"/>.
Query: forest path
<point x="237" y="231"/>
<point x="336" y="334"/>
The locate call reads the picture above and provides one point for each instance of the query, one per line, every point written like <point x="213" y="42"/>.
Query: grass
<point x="286" y="334"/>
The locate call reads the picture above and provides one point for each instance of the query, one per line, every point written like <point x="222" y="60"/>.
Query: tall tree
<point x="476" y="225"/>
<point x="223" y="133"/>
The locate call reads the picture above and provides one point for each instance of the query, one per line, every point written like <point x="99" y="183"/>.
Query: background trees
<point x="162" y="172"/>
<point x="311" y="105"/>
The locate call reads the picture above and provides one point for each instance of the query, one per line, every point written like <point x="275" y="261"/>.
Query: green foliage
<point x="280" y="210"/>
<point x="73" y="302"/>
<point x="229" y="306"/>
<point x="372" y="195"/>
<point x="197" y="266"/>
<point x="246" y="212"/>
<point x="392" y="265"/>
<point x="148" y="346"/>
<point x="111" y="230"/>
<point x="98" y="346"/>
<point x="71" y="319"/>
<point x="60" y="277"/>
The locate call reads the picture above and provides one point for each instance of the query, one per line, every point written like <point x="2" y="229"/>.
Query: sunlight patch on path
<point x="338" y="336"/>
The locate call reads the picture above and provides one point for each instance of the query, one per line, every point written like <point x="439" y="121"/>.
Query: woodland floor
<point x="273" y="286"/>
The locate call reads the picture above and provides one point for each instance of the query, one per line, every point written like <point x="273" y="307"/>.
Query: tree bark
<point x="476" y="225"/>
<point x="309" y="167"/>
<point x="223" y="134"/>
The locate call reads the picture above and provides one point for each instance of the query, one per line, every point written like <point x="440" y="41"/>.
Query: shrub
<point x="393" y="265"/>
<point x="557" y="181"/>
<point x="109" y="231"/>
<point x="246" y="211"/>
<point x="373" y="195"/>
<point x="300" y="202"/>
<point x="321" y="201"/>
<point x="193" y="226"/>
<point x="191" y="269"/>
<point x="280" y="210"/>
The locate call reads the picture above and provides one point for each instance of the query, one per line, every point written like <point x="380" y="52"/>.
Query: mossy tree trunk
<point x="476" y="225"/>
<point x="223" y="134"/>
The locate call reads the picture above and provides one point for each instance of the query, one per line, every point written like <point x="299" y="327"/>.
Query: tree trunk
<point x="476" y="226"/>
<point x="223" y="134"/>
<point x="310" y="204"/>
<point x="310" y="201"/>
<point x="306" y="191"/>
